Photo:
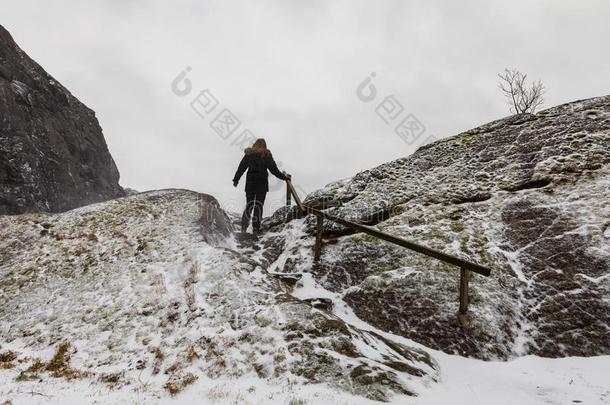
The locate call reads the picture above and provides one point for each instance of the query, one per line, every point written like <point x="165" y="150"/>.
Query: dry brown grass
<point x="111" y="379"/>
<point x="174" y="368"/>
<point x="178" y="382"/>
<point x="159" y="357"/>
<point x="191" y="354"/>
<point x="6" y="359"/>
<point x="58" y="366"/>
<point x="36" y="366"/>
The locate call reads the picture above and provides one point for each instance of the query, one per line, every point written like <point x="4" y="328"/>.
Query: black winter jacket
<point x="257" y="165"/>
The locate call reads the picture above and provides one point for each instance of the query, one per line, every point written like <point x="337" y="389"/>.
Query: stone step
<point x="247" y="240"/>
<point x="325" y="304"/>
<point x="288" y="278"/>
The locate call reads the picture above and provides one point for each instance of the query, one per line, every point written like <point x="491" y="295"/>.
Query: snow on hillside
<point x="149" y="300"/>
<point x="148" y="296"/>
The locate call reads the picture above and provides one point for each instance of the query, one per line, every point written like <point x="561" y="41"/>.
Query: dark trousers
<point x="254" y="202"/>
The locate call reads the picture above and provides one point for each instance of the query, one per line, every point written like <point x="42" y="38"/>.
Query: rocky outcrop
<point x="53" y="153"/>
<point x="153" y="285"/>
<point x="527" y="195"/>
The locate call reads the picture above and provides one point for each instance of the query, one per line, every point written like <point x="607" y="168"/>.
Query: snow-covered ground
<point x="138" y="299"/>
<point x="146" y="302"/>
<point x="525" y="380"/>
<point x="528" y="380"/>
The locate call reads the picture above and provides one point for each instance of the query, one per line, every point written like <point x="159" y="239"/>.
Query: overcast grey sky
<point x="289" y="70"/>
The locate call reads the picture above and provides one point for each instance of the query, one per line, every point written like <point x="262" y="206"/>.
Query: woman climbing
<point x="257" y="160"/>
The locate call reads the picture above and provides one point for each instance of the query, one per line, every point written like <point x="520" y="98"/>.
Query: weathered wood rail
<point x="466" y="267"/>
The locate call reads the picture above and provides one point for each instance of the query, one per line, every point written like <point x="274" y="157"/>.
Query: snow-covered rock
<point x="528" y="196"/>
<point x="150" y="294"/>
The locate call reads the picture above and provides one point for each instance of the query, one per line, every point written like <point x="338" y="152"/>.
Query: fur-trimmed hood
<point x="253" y="151"/>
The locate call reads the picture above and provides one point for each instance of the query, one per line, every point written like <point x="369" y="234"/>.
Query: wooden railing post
<point x="463" y="311"/>
<point x="288" y="193"/>
<point x="288" y="199"/>
<point x="317" y="249"/>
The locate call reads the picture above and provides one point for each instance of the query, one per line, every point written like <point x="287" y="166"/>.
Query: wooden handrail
<point x="297" y="199"/>
<point x="468" y="265"/>
<point x="465" y="266"/>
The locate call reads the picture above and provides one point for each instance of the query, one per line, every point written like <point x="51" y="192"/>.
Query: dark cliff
<point x="53" y="156"/>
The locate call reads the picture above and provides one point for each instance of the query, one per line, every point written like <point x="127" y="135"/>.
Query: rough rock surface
<point x="528" y="195"/>
<point x="53" y="156"/>
<point x="151" y="287"/>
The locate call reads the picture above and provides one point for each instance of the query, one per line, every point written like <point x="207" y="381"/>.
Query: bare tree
<point x="521" y="98"/>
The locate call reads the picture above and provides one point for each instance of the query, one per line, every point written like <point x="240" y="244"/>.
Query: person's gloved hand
<point x="288" y="177"/>
<point x="235" y="183"/>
